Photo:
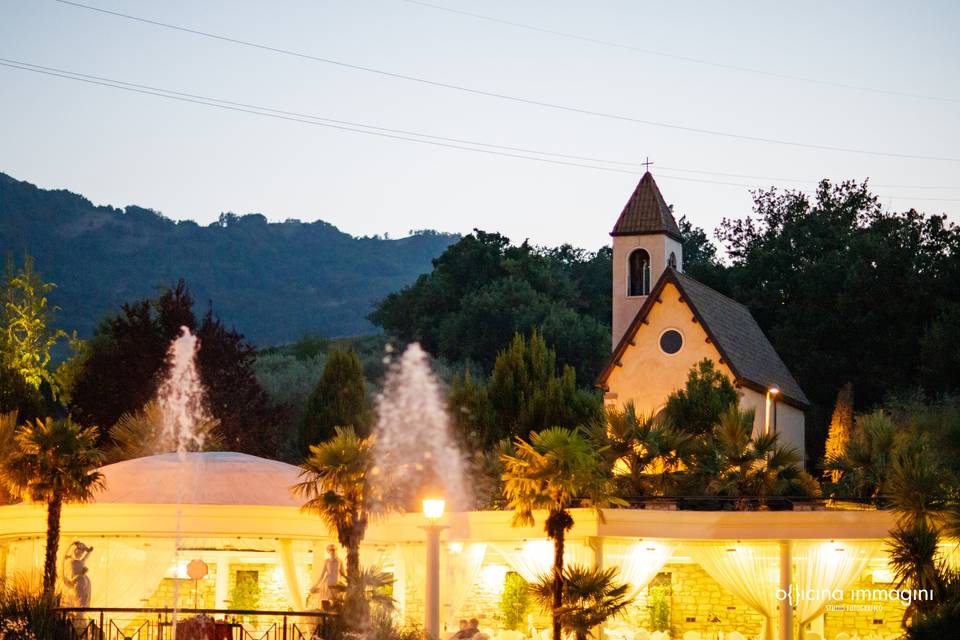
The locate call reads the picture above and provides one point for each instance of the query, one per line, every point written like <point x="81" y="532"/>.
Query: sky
<point x="879" y="79"/>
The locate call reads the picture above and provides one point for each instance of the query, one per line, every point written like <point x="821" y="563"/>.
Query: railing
<point x="728" y="503"/>
<point x="749" y="503"/>
<point x="115" y="623"/>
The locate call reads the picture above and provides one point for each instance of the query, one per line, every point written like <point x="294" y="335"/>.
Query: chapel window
<point x="639" y="284"/>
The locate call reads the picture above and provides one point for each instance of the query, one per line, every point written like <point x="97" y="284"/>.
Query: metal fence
<point x="197" y="624"/>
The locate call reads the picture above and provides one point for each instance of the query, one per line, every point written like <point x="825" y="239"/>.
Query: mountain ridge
<point x="273" y="281"/>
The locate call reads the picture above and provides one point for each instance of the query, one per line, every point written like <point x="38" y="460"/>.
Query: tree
<point x="841" y="426"/>
<point x="338" y="400"/>
<point x="525" y="393"/>
<point x="863" y="466"/>
<point x="590" y="597"/>
<point x="707" y="395"/>
<point x="28" y="332"/>
<point x="528" y="394"/>
<point x="556" y="470"/>
<point x="142" y="433"/>
<point x="648" y="456"/>
<point x="484" y="281"/>
<point x="123" y="364"/>
<point x="56" y="462"/>
<point x="336" y="484"/>
<point x="836" y="277"/>
<point x="16" y="394"/>
<point x="737" y="464"/>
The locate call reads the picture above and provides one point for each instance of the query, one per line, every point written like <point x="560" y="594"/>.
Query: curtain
<point x="290" y="577"/>
<point x="463" y="567"/>
<point x="411" y="576"/>
<point x="125" y="573"/>
<point x="534" y="558"/>
<point x="823" y="567"/>
<point x="637" y="562"/>
<point x="25" y="562"/>
<point x="749" y="571"/>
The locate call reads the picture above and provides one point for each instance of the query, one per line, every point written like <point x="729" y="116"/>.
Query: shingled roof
<point x="646" y="212"/>
<point x="733" y="331"/>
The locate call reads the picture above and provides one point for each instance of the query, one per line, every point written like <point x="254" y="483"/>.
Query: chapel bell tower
<point x="646" y="240"/>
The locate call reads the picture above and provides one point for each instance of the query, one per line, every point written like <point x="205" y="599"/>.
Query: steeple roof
<point x="646" y="213"/>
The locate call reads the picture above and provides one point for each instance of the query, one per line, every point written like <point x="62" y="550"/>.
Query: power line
<point x="396" y="134"/>
<point x="674" y="56"/>
<point x="517" y="99"/>
<point x="462" y="141"/>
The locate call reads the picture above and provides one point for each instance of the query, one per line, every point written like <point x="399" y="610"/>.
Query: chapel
<point x="665" y="322"/>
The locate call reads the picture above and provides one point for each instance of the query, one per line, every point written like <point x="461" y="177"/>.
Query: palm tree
<point x="863" y="465"/>
<point x="141" y="433"/>
<point x="645" y="451"/>
<point x="336" y="484"/>
<point x="738" y="464"/>
<point x="558" y="469"/>
<point x="590" y="597"/>
<point x="55" y="461"/>
<point x="8" y="433"/>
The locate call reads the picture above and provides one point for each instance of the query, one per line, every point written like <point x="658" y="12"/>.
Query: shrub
<point x="25" y="614"/>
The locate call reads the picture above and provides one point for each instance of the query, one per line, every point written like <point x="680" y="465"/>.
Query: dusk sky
<point x="880" y="78"/>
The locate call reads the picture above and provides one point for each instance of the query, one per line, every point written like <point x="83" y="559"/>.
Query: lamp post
<point x="772" y="394"/>
<point x="433" y="512"/>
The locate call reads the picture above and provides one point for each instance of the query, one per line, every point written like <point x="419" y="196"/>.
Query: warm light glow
<point x="883" y="576"/>
<point x="456" y="547"/>
<point x="492" y="576"/>
<point x="433" y="508"/>
<point x="773" y="391"/>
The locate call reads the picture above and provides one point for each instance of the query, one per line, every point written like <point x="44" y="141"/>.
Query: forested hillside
<point x="273" y="281"/>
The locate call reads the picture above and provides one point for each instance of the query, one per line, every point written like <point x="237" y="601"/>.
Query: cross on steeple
<point x="647" y="163"/>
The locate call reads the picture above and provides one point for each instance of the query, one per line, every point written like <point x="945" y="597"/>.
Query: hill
<point x="274" y="282"/>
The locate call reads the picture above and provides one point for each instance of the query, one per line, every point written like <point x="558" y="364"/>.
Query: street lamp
<point x="433" y="512"/>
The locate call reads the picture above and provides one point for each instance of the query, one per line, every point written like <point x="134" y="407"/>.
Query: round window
<point x="671" y="341"/>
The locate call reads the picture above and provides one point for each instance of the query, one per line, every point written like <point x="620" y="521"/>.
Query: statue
<point x="77" y="578"/>
<point x="329" y="575"/>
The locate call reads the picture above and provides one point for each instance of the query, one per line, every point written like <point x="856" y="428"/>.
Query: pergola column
<point x="786" y="578"/>
<point x="222" y="582"/>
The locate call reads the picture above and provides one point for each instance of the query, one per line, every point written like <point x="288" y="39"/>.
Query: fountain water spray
<point x="413" y="449"/>
<point x="182" y="401"/>
<point x="182" y="397"/>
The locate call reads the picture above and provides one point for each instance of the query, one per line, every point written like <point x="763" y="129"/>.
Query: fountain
<point x="413" y="450"/>
<point x="182" y="403"/>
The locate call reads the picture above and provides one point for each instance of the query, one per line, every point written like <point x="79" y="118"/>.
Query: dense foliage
<point x="273" y="281"/>
<point x="53" y="462"/>
<point x="338" y="400"/>
<point x="849" y="292"/>
<point x="525" y="392"/>
<point x="483" y="290"/>
<point x="123" y="364"/>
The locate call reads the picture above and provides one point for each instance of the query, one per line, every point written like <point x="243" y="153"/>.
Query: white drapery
<point x="25" y="562"/>
<point x="125" y="573"/>
<point x="463" y="563"/>
<point x="534" y="558"/>
<point x="410" y="574"/>
<point x="823" y="567"/>
<point x="637" y="562"/>
<point x="291" y="574"/>
<point x="749" y="571"/>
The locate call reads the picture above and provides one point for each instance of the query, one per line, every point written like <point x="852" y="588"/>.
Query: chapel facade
<point x="664" y="322"/>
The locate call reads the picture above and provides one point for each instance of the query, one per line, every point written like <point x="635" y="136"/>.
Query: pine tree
<point x="841" y="427"/>
<point x="339" y="399"/>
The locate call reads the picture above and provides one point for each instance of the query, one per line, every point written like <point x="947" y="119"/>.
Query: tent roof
<point x="220" y="477"/>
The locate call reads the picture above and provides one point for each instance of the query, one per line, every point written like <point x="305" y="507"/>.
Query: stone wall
<point x="273" y="594"/>
<point x="864" y="615"/>
<point x="695" y="597"/>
